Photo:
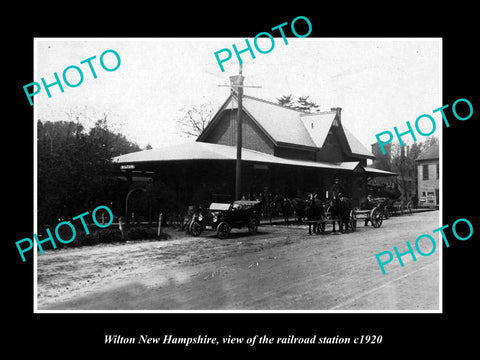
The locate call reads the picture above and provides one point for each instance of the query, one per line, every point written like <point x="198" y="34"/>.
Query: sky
<point x="378" y="83"/>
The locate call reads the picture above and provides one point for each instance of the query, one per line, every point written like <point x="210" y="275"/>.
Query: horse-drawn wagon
<point x="318" y="215"/>
<point x="390" y="207"/>
<point x="401" y="207"/>
<point x="375" y="216"/>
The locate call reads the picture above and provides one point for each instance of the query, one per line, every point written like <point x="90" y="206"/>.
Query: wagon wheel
<point x="409" y="207"/>
<point x="252" y="226"/>
<point x="353" y="219"/>
<point x="195" y="228"/>
<point x="376" y="217"/>
<point x="223" y="229"/>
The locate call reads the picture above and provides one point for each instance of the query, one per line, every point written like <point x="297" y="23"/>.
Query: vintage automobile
<point x="222" y="217"/>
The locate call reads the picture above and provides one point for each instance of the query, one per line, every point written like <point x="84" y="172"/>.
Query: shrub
<point x="141" y="233"/>
<point x="102" y="236"/>
<point x="108" y="236"/>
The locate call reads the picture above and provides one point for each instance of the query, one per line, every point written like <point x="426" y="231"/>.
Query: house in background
<point x="428" y="166"/>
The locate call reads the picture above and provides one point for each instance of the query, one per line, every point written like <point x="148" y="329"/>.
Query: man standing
<point x="337" y="188"/>
<point x="369" y="204"/>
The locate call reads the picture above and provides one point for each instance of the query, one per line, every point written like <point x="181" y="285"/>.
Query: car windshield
<point x="219" y="206"/>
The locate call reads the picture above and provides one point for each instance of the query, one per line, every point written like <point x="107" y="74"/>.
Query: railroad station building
<point x="284" y="151"/>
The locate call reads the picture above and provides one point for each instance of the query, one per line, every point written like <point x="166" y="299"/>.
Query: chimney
<point x="338" y="110"/>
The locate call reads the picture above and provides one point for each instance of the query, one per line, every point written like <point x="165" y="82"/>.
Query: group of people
<point x="276" y="204"/>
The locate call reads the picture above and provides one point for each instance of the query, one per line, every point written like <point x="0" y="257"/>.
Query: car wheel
<point x="252" y="227"/>
<point x="195" y="228"/>
<point x="223" y="229"/>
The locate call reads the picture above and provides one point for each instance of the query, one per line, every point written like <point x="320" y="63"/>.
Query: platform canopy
<point x="207" y="151"/>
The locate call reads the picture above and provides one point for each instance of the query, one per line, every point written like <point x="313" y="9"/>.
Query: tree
<point x="286" y="101"/>
<point x="400" y="161"/>
<point x="194" y="119"/>
<point x="302" y="103"/>
<point x="305" y="105"/>
<point x="429" y="141"/>
<point x="415" y="150"/>
<point x="75" y="172"/>
<point x="404" y="166"/>
<point x="109" y="143"/>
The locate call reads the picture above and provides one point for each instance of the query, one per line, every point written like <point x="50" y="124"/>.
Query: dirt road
<point x="281" y="268"/>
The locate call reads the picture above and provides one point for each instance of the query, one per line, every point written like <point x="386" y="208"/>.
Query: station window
<point x="425" y="172"/>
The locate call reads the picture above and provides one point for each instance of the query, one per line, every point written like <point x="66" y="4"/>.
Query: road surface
<point x="281" y="268"/>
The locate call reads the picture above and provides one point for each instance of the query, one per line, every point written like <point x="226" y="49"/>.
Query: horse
<point x="299" y="206"/>
<point x="341" y="208"/>
<point x="314" y="211"/>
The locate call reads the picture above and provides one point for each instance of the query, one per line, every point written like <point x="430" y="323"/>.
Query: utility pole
<point x="236" y="84"/>
<point x="238" y="81"/>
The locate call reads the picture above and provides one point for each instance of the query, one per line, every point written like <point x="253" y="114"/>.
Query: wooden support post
<point x="159" y="230"/>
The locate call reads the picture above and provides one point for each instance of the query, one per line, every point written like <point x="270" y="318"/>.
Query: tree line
<point x="75" y="172"/>
<point x="402" y="160"/>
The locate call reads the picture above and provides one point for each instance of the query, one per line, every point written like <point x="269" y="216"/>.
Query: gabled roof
<point x="285" y="126"/>
<point x="356" y="147"/>
<point x="429" y="154"/>
<point x="280" y="122"/>
<point x="318" y="125"/>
